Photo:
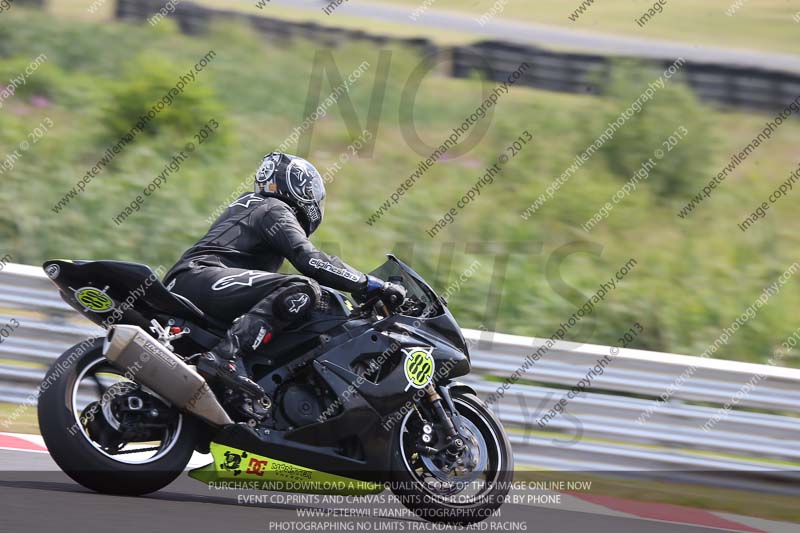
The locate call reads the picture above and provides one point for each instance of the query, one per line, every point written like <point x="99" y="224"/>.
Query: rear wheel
<point x="107" y="432"/>
<point x="454" y="489"/>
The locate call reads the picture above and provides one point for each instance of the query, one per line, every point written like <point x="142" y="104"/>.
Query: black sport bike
<point x="360" y="397"/>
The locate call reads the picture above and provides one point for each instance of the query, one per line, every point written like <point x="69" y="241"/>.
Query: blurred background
<point x="367" y="90"/>
<point x="107" y="63"/>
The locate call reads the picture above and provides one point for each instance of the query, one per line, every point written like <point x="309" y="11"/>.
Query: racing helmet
<point x="295" y="181"/>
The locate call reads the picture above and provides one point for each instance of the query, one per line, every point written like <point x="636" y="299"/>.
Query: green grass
<point x="693" y="278"/>
<point x="21" y="419"/>
<point x="763" y="25"/>
<point x="395" y="28"/>
<point x="78" y="9"/>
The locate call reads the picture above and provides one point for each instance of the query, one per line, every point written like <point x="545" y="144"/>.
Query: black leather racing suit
<point x="231" y="273"/>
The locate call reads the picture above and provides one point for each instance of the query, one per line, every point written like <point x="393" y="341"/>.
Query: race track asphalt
<point x="36" y="497"/>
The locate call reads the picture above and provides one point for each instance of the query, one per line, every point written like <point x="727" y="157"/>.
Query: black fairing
<point x="330" y="351"/>
<point x="439" y="319"/>
<point x="368" y="405"/>
<point x="120" y="281"/>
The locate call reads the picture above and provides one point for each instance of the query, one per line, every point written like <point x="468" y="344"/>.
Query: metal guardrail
<point x="729" y="85"/>
<point x="600" y="431"/>
<point x="732" y="85"/>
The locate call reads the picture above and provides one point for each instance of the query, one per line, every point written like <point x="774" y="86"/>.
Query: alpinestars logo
<point x="297" y="303"/>
<point x="245" y="279"/>
<point x="328" y="267"/>
<point x="248" y="199"/>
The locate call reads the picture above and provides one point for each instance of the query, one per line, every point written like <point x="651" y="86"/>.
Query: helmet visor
<point x="318" y="187"/>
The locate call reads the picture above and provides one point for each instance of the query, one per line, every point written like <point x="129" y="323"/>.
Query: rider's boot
<point x="224" y="363"/>
<point x="230" y="372"/>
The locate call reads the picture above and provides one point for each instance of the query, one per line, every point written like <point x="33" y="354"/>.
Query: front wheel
<point x="453" y="489"/>
<point x="107" y="432"/>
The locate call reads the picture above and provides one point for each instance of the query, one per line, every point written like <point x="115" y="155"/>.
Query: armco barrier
<point x="602" y="430"/>
<point x="728" y="84"/>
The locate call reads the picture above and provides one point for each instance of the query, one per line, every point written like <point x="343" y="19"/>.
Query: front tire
<point x="85" y="461"/>
<point x="409" y="472"/>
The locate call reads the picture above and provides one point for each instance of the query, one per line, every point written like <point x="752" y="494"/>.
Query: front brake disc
<point x="471" y="467"/>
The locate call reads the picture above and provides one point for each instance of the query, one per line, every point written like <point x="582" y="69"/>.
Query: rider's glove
<point x="391" y="294"/>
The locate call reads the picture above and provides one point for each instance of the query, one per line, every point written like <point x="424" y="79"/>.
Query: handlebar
<point x="369" y="304"/>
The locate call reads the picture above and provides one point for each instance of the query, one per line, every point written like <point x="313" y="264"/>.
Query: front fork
<point x="450" y="423"/>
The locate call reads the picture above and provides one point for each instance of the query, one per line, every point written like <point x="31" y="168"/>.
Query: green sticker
<point x="94" y="299"/>
<point x="242" y="470"/>
<point x="418" y="367"/>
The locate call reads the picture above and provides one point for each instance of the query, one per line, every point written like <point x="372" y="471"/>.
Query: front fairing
<point x="434" y="313"/>
<point x="448" y="355"/>
<point x="446" y="326"/>
<point x="431" y="319"/>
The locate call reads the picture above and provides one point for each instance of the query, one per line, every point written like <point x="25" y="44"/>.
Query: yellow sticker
<point x="418" y="367"/>
<point x="93" y="299"/>
<point x="240" y="469"/>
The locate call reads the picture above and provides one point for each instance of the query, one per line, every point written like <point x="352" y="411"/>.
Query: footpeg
<point x="231" y="373"/>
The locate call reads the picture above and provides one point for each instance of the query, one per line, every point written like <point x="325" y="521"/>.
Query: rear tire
<point x="76" y="455"/>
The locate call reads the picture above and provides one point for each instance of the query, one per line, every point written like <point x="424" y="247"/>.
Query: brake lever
<point x="370" y="304"/>
<point x="367" y="305"/>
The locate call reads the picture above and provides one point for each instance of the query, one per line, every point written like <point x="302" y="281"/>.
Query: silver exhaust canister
<point x="151" y="364"/>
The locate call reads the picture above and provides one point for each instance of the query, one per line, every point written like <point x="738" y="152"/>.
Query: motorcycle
<point x="360" y="397"/>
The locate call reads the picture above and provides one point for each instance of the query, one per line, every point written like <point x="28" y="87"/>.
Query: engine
<point x="300" y="405"/>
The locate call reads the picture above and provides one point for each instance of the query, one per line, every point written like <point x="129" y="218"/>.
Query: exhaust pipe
<point x="131" y="349"/>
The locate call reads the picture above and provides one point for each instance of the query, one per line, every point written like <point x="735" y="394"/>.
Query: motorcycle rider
<point x="232" y="272"/>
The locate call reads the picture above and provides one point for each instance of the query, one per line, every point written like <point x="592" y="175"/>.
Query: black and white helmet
<point x="295" y="181"/>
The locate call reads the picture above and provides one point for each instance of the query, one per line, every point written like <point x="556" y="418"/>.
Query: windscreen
<point x="421" y="300"/>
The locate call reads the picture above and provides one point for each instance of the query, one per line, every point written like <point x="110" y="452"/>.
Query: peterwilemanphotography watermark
<point x="21" y="79"/>
<point x="183" y="82"/>
<point x="608" y="133"/>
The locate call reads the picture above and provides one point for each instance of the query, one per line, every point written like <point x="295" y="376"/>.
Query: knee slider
<point x="296" y="301"/>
